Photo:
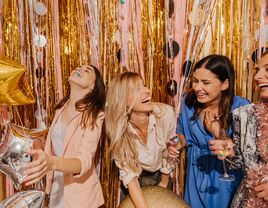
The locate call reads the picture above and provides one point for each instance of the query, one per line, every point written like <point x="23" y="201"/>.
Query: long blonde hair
<point x="123" y="147"/>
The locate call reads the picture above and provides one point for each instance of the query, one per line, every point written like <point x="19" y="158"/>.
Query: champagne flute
<point x="224" y="152"/>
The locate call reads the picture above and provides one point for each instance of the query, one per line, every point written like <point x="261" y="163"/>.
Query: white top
<point x="57" y="191"/>
<point x="152" y="156"/>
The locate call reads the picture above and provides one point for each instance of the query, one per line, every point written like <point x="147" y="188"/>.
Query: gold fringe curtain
<point x="232" y="31"/>
<point x="235" y="32"/>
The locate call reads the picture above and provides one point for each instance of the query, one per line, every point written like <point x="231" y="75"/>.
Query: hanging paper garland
<point x="172" y="51"/>
<point x="122" y="1"/>
<point x="40" y="8"/>
<point x="172" y="88"/>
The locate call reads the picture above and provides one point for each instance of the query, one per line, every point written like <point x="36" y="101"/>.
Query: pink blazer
<point x="83" y="190"/>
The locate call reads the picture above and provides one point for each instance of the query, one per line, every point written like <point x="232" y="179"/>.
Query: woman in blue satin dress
<point x="206" y="110"/>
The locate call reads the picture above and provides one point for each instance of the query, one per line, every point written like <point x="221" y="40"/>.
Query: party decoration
<point x="265" y="28"/>
<point x="13" y="154"/>
<point x="201" y="2"/>
<point x="39" y="56"/>
<point x="23" y="199"/>
<point x="175" y="49"/>
<point x="14" y="90"/>
<point x="172" y="88"/>
<point x="41" y="24"/>
<point x="40" y="8"/>
<point x="71" y="42"/>
<point x="39" y="40"/>
<point x="186" y="68"/>
<point x="117" y="36"/>
<point x="265" y="32"/>
<point x="196" y="17"/>
<point x="156" y="196"/>
<point x="119" y="54"/>
<point x="170" y="8"/>
<point x="40" y="72"/>
<point x="39" y="135"/>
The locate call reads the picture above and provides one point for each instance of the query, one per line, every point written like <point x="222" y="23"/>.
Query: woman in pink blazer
<point x="68" y="158"/>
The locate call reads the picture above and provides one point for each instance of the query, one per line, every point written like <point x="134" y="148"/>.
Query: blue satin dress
<point x="203" y="187"/>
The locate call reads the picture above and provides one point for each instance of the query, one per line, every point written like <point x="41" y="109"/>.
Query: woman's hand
<point x="164" y="180"/>
<point x="136" y="194"/>
<point x="262" y="190"/>
<point x="41" y="165"/>
<point x="222" y="148"/>
<point x="174" y="147"/>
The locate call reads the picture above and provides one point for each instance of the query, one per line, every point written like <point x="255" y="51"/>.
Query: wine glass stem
<point x="224" y="168"/>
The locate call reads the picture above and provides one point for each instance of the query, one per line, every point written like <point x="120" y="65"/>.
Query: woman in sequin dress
<point x="249" y="147"/>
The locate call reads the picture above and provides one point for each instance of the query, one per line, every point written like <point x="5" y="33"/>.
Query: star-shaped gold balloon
<point x="14" y="89"/>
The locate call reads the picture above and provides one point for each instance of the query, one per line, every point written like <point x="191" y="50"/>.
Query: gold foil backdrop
<point x="236" y="32"/>
<point x="92" y="31"/>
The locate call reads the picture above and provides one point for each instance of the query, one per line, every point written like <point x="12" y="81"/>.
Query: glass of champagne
<point x="224" y="151"/>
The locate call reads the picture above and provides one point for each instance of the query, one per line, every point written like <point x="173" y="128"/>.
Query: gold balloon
<point x="157" y="197"/>
<point x="196" y="17"/>
<point x="14" y="90"/>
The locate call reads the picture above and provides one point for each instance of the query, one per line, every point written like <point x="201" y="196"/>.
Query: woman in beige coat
<point x="68" y="158"/>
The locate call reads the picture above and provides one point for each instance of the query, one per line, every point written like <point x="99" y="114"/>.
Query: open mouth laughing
<point x="263" y="85"/>
<point x="146" y="100"/>
<point x="201" y="95"/>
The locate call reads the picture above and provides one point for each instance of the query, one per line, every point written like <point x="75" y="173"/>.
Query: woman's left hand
<point x="262" y="190"/>
<point x="218" y="147"/>
<point x="41" y="165"/>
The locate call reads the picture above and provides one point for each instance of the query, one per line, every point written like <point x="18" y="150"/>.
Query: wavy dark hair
<point x="92" y="103"/>
<point x="222" y="67"/>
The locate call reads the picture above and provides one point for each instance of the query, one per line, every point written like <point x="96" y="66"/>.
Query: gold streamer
<point x="233" y="35"/>
<point x="233" y="28"/>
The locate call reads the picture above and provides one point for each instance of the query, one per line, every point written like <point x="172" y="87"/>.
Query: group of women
<point x="140" y="132"/>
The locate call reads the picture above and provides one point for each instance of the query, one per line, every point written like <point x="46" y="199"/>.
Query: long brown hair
<point x="222" y="67"/>
<point x="92" y="103"/>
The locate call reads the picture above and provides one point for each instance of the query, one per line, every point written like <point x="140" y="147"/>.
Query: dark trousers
<point x="146" y="178"/>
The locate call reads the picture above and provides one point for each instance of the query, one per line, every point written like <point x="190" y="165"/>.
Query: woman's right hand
<point x="42" y="164"/>
<point x="174" y="147"/>
<point x="262" y="191"/>
<point x="136" y="193"/>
